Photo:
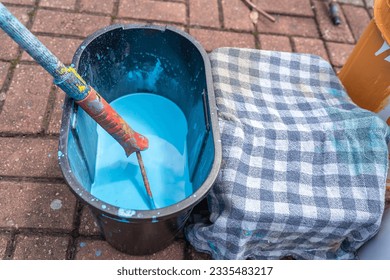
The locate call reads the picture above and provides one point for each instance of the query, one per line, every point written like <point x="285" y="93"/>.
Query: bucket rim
<point x="133" y="215"/>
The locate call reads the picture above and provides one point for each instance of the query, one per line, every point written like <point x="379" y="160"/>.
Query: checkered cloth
<point x="303" y="169"/>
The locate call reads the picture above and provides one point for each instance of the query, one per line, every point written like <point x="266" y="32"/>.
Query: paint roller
<point x="84" y="95"/>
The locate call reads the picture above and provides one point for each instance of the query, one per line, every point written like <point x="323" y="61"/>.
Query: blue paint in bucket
<point x="118" y="179"/>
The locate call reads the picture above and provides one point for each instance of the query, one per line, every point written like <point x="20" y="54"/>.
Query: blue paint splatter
<point x="260" y="235"/>
<point x="337" y="93"/>
<point x="98" y="253"/>
<point x="213" y="247"/>
<point x="142" y="78"/>
<point x="83" y="244"/>
<point x="60" y="154"/>
<point x="104" y="206"/>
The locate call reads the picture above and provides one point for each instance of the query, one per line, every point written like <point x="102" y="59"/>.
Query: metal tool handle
<point x="73" y="85"/>
<point x="334" y="12"/>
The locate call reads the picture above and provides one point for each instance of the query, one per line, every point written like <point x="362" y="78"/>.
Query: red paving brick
<point x="105" y="7"/>
<point x="291" y="7"/>
<point x="24" y="2"/>
<point x="204" y="12"/>
<point x="129" y="21"/>
<point x="101" y="250"/>
<point x="56" y="114"/>
<point x="68" y="23"/>
<point x="338" y="53"/>
<point x="63" y="48"/>
<point x="236" y="15"/>
<point x="26" y="100"/>
<point x="311" y="46"/>
<point x="3" y="72"/>
<point x="36" y="205"/>
<point x="340" y="33"/>
<point x="88" y="224"/>
<point x="40" y="247"/>
<point x="132" y="21"/>
<point x="155" y="10"/>
<point x="358" y="19"/>
<point x="275" y="43"/>
<point x="8" y="48"/>
<point x="24" y="157"/>
<point x="3" y="245"/>
<point x="62" y="4"/>
<point x="287" y="25"/>
<point x="211" y="39"/>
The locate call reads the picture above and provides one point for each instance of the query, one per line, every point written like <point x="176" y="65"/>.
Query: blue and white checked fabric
<point x="303" y="170"/>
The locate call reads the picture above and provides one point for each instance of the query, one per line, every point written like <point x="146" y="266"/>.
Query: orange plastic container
<point x="366" y="74"/>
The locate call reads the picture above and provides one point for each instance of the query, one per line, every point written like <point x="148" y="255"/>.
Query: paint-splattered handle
<point x="73" y="85"/>
<point x="113" y="123"/>
<point x="102" y="112"/>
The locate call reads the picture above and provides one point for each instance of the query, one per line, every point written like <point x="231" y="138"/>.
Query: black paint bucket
<point x="102" y="60"/>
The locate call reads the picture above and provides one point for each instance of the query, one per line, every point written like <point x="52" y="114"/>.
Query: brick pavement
<point x="40" y="218"/>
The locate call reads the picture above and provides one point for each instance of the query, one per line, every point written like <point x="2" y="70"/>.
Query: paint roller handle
<point x="113" y="123"/>
<point x="73" y="85"/>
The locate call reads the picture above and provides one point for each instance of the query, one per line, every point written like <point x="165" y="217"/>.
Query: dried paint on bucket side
<point x="130" y="59"/>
